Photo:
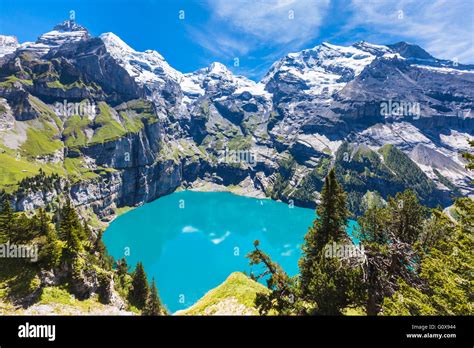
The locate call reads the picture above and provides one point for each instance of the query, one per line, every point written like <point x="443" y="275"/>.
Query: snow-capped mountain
<point x="218" y="80"/>
<point x="313" y="106"/>
<point x="8" y="44"/>
<point x="66" y="32"/>
<point x="147" y="68"/>
<point x="323" y="69"/>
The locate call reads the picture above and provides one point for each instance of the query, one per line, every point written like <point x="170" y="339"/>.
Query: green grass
<point x="40" y="142"/>
<point x="45" y="112"/>
<point x="13" y="169"/>
<point x="237" y="285"/>
<point x="74" y="131"/>
<point x="44" y="133"/>
<point x="358" y="311"/>
<point x="76" y="169"/>
<point x="60" y="296"/>
<point x="18" y="278"/>
<point x="240" y="142"/>
<point x="10" y="80"/>
<point x="57" y="84"/>
<point x="123" y="210"/>
<point x="132" y="125"/>
<point x="109" y="129"/>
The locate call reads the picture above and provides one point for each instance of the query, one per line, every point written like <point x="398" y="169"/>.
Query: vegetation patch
<point x="237" y="286"/>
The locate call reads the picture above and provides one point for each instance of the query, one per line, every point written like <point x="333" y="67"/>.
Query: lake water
<point x="191" y="241"/>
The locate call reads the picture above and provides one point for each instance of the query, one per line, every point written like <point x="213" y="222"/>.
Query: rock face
<point x="155" y="129"/>
<point x="8" y="45"/>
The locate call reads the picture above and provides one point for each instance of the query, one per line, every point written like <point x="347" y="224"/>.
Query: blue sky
<point x="257" y="32"/>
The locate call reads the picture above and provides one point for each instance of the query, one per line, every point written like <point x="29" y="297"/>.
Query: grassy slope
<point x="237" y="286"/>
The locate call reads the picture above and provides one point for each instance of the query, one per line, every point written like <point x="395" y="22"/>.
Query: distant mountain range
<point x="387" y="117"/>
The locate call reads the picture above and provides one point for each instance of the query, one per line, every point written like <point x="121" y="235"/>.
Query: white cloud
<point x="277" y="21"/>
<point x="189" y="229"/>
<point x="239" y="27"/>
<point x="445" y="28"/>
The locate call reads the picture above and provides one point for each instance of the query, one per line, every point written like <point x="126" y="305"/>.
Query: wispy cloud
<point x="273" y="21"/>
<point x="238" y="28"/>
<point x="261" y="31"/>
<point x="443" y="27"/>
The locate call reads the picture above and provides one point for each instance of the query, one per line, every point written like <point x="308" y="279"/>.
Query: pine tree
<point x="87" y="233"/>
<point x="389" y="235"/>
<point x="373" y="226"/>
<point x="51" y="253"/>
<point x="70" y="229"/>
<point x="406" y="217"/>
<point x="44" y="228"/>
<point x="282" y="298"/>
<point x="99" y="245"/>
<point x="328" y="227"/>
<point x="122" y="267"/>
<point x="7" y="222"/>
<point x="445" y="286"/>
<point x="153" y="305"/>
<point x="138" y="295"/>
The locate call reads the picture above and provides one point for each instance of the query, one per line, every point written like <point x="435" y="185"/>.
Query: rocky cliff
<point x="122" y="128"/>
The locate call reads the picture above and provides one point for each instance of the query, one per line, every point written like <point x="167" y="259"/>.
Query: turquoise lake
<point x="191" y="241"/>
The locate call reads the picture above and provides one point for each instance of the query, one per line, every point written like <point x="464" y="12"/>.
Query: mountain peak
<point x="218" y="68"/>
<point x="145" y="67"/>
<point x="66" y="32"/>
<point x="407" y="50"/>
<point x="8" y="44"/>
<point x="377" y="50"/>
<point x="112" y="40"/>
<point x="68" y="26"/>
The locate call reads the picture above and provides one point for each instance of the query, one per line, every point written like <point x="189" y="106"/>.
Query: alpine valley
<point x="92" y="119"/>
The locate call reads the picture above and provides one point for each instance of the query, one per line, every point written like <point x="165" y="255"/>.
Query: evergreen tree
<point x="336" y="284"/>
<point x="44" y="228"/>
<point x="7" y="222"/>
<point x="51" y="253"/>
<point x="373" y="226"/>
<point x="70" y="229"/>
<point x="87" y="233"/>
<point x="153" y="305"/>
<point x="24" y="230"/>
<point x="389" y="235"/>
<point x="406" y="217"/>
<point x="282" y="298"/>
<point x="329" y="284"/>
<point x="122" y="267"/>
<point x="99" y="245"/>
<point x="138" y="295"/>
<point x="445" y="286"/>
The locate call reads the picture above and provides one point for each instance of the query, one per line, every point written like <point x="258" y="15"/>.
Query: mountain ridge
<point x="157" y="129"/>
